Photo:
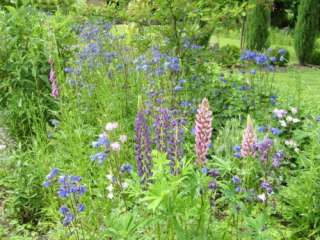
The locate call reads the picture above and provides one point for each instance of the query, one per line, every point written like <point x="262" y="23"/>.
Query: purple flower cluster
<point x="277" y="158"/>
<point x="214" y="173"/>
<point x="143" y="146"/>
<point x="263" y="149"/>
<point x="266" y="186"/>
<point x="69" y="188"/>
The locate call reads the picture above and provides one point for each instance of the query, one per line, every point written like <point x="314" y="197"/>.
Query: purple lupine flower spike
<point x="142" y="146"/>
<point x="203" y="131"/>
<point x="249" y="140"/>
<point x="53" y="80"/>
<point x="162" y="130"/>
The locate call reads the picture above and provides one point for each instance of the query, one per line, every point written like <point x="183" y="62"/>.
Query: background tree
<point x="258" y="22"/>
<point x="306" y="30"/>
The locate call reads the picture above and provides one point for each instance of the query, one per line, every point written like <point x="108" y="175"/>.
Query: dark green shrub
<point x="306" y="30"/>
<point x="315" y="58"/>
<point x="257" y="29"/>
<point x="227" y="55"/>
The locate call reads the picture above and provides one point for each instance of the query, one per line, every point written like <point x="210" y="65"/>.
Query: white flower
<point x="295" y="120"/>
<point x="290" y="143"/>
<point x="124" y="185"/>
<point x="289" y="119"/>
<point x="110" y="177"/>
<point x="2" y="147"/>
<point x="297" y="150"/>
<point x="294" y="110"/>
<point x="111" y="126"/>
<point x="110" y="195"/>
<point x="115" y="146"/>
<point x="110" y="188"/>
<point x="283" y="123"/>
<point x="123" y="138"/>
<point x="262" y="197"/>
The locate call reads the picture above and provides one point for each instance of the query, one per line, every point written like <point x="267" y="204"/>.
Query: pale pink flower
<point x="280" y="113"/>
<point x="123" y="138"/>
<point x="115" y="146"/>
<point x="203" y="131"/>
<point x="111" y="126"/>
<point x="249" y="139"/>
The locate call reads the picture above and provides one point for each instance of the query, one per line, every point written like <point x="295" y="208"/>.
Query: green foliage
<point x="24" y="67"/>
<point x="306" y="30"/>
<point x="257" y="27"/>
<point x="227" y="55"/>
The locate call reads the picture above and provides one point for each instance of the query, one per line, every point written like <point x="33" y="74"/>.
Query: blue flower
<point x="182" y="81"/>
<point x="64" y="210"/>
<point x="68" y="70"/>
<point x="273" y="99"/>
<point x="236" y="180"/>
<point x="100" y="157"/>
<point x="275" y="131"/>
<point x="185" y="104"/>
<point x="237" y="155"/>
<point x="173" y="64"/>
<point x="80" y="207"/>
<point x="63" y="192"/>
<point x="273" y="59"/>
<point x="54" y="172"/>
<point x="318" y="119"/>
<point x="282" y="51"/>
<point x="126" y="168"/>
<point x="253" y="72"/>
<point x="75" y="179"/>
<point x="46" y="184"/>
<point x="262" y="129"/>
<point x="204" y="170"/>
<point x="102" y="141"/>
<point x="178" y="88"/>
<point x="248" y="55"/>
<point x="237" y="148"/>
<point x="68" y="218"/>
<point x="261" y="59"/>
<point x="63" y="179"/>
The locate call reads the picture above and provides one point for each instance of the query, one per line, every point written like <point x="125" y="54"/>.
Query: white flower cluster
<point x="292" y="144"/>
<point x="284" y="118"/>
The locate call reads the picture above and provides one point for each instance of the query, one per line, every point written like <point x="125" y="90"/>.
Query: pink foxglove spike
<point x="53" y="80"/>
